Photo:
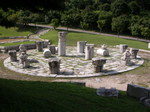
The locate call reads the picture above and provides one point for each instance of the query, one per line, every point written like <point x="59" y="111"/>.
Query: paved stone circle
<point x="74" y="64"/>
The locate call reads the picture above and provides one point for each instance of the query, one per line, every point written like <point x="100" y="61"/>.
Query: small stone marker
<point x="24" y="61"/>
<point x="22" y="48"/>
<point x="149" y="45"/>
<point x="113" y="92"/>
<point x="52" y="48"/>
<point x="47" y="53"/>
<point x="39" y="46"/>
<point x="54" y="65"/>
<point x="137" y="91"/>
<point x="89" y="51"/>
<point x="103" y="50"/>
<point x="127" y="58"/>
<point x="62" y="43"/>
<point x="123" y="48"/>
<point x="98" y="64"/>
<point x="13" y="55"/>
<point x="134" y="52"/>
<point x="81" y="46"/>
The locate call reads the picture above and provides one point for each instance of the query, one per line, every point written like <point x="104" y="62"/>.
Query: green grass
<point x="25" y="96"/>
<point x="17" y="43"/>
<point x="15" y="31"/>
<point x="73" y="37"/>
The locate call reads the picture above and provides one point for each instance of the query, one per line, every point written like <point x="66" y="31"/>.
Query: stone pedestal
<point x="89" y="51"/>
<point x="149" y="45"/>
<point x="98" y="64"/>
<point x="134" y="52"/>
<point x="54" y="65"/>
<point x="127" y="58"/>
<point x="52" y="48"/>
<point x="62" y="43"/>
<point x="39" y="46"/>
<point x="13" y="55"/>
<point x="81" y="46"/>
<point x="22" y="48"/>
<point x="24" y="61"/>
<point x="47" y="53"/>
<point x="103" y="52"/>
<point x="123" y="48"/>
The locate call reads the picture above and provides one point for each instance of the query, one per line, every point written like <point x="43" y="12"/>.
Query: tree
<point x="66" y="20"/>
<point x="145" y="32"/>
<point x="134" y="7"/>
<point x="84" y="25"/>
<point x="55" y="23"/>
<point x="120" y="24"/>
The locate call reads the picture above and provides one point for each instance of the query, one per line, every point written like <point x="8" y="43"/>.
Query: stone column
<point x="13" y="55"/>
<point x="81" y="46"/>
<point x="47" y="53"/>
<point x="39" y="46"/>
<point x="24" y="61"/>
<point x="52" y="48"/>
<point x="54" y="65"/>
<point x="98" y="64"/>
<point x="134" y="52"/>
<point x="127" y="58"/>
<point x="149" y="45"/>
<point x="22" y="48"/>
<point x="62" y="43"/>
<point x="89" y="51"/>
<point x="123" y="48"/>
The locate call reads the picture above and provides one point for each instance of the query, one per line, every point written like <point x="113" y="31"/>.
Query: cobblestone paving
<point x="74" y="64"/>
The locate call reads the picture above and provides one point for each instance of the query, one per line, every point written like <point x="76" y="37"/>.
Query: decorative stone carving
<point x="89" y="51"/>
<point x="54" y="65"/>
<point x="103" y="50"/>
<point x="123" y="48"/>
<point x="113" y="92"/>
<point x="24" y="61"/>
<point x="62" y="43"/>
<point x="52" y="49"/>
<point x="127" y="58"/>
<point x="98" y="64"/>
<point x="13" y="55"/>
<point x="39" y="46"/>
<point x="134" y="52"/>
<point x="81" y="46"/>
<point x="22" y="48"/>
<point x="47" y="53"/>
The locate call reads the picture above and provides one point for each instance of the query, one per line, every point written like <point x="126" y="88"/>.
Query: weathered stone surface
<point x="127" y="58"/>
<point x="47" y="53"/>
<point x="13" y="55"/>
<point x="62" y="43"/>
<point x="107" y="92"/>
<point x="39" y="45"/>
<point x="134" y="52"/>
<point x="54" y="65"/>
<point x="81" y="46"/>
<point x="22" y="48"/>
<point x="89" y="51"/>
<point x="149" y="45"/>
<point x="123" y="48"/>
<point x="98" y="64"/>
<point x="102" y="52"/>
<point x="52" y="49"/>
<point x="24" y="61"/>
<point x="137" y="91"/>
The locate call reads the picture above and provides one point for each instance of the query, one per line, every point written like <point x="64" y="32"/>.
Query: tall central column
<point x="62" y="43"/>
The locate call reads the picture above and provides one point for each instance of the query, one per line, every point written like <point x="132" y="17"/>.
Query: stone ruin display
<point x="39" y="46"/>
<point x="103" y="50"/>
<point x="81" y="46"/>
<point x="47" y="53"/>
<point x="24" y="60"/>
<point x="123" y="48"/>
<point x="62" y="43"/>
<point x="149" y="45"/>
<point x="98" y="64"/>
<point x="22" y="48"/>
<point x="13" y="55"/>
<point x="112" y="92"/>
<point x="127" y="58"/>
<point x="89" y="51"/>
<point x="134" y="52"/>
<point x="52" y="48"/>
<point x="54" y="65"/>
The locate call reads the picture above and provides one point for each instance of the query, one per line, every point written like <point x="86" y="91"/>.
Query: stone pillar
<point x="81" y="46"/>
<point x="89" y="51"/>
<point x="62" y="43"/>
<point x="22" y="48"/>
<point x="13" y="55"/>
<point x="98" y="64"/>
<point x="47" y="53"/>
<point x="134" y="52"/>
<point x="54" y="65"/>
<point x="127" y="58"/>
<point x="52" y="48"/>
<point x="39" y="46"/>
<point x="123" y="48"/>
<point x="149" y="45"/>
<point x="24" y="61"/>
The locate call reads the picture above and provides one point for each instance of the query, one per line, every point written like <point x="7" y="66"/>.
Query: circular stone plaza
<point x="73" y="64"/>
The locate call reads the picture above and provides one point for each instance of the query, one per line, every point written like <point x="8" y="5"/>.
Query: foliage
<point x="55" y="23"/>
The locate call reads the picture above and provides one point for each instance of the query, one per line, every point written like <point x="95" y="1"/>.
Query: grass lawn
<point x="26" y="96"/>
<point x="15" y="31"/>
<point x="17" y="43"/>
<point x="73" y="37"/>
